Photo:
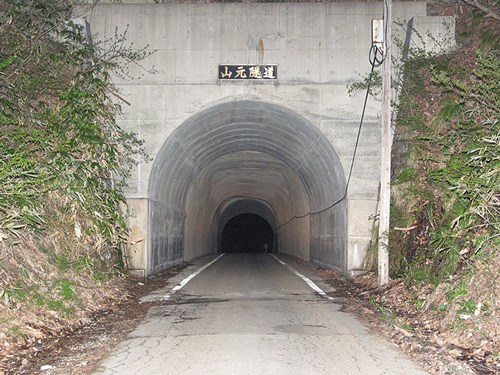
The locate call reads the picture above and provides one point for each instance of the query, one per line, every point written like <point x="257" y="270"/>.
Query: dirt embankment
<point x="443" y="341"/>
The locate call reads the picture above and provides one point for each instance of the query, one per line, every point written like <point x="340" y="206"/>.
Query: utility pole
<point x="386" y="143"/>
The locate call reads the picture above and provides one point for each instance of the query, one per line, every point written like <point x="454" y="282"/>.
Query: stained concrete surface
<point x="248" y="314"/>
<point x="287" y="144"/>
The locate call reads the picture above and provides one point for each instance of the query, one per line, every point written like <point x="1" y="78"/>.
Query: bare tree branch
<point x="489" y="12"/>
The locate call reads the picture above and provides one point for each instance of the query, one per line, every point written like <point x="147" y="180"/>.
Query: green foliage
<point x="452" y="168"/>
<point x="61" y="148"/>
<point x="488" y="38"/>
<point x="471" y="172"/>
<point x="408" y="174"/>
<point x="56" y="294"/>
<point x="388" y="315"/>
<point x="372" y="81"/>
<point x="467" y="306"/>
<point x="15" y="331"/>
<point x="449" y="110"/>
<point x="419" y="303"/>
<point x="457" y="292"/>
<point x="66" y="290"/>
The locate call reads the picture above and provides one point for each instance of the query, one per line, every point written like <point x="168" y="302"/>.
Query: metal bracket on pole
<point x="378" y="34"/>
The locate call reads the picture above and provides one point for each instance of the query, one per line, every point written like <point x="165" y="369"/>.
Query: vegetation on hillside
<point x="445" y="220"/>
<point x="444" y="237"/>
<point x="63" y="162"/>
<point x="447" y="187"/>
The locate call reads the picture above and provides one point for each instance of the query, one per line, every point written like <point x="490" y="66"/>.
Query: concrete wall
<point x="320" y="48"/>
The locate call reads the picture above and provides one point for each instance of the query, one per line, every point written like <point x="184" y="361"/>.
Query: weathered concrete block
<point x="137" y="248"/>
<point x="362" y="215"/>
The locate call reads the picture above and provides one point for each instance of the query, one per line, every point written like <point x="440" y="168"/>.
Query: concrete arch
<point x="255" y="151"/>
<point x="237" y="206"/>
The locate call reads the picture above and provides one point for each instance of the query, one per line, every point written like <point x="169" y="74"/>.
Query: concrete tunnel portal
<point x="246" y="158"/>
<point x="276" y="148"/>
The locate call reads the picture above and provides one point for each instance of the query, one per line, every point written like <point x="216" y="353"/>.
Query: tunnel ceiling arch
<point x="270" y="140"/>
<point x="260" y="180"/>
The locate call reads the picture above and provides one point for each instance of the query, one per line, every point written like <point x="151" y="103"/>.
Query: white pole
<point x="386" y="143"/>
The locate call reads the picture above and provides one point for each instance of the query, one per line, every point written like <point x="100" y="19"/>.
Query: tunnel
<point x="246" y="233"/>
<point x="248" y="217"/>
<point x="246" y="158"/>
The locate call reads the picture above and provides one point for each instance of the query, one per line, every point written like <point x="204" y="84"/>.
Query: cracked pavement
<point x="249" y="314"/>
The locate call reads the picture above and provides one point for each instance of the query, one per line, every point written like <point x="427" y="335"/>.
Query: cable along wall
<point x="252" y="151"/>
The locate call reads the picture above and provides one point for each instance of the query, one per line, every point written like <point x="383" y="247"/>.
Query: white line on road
<point x="308" y="281"/>
<point x="190" y="277"/>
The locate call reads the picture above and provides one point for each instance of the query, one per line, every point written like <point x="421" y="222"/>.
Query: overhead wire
<point x="376" y="57"/>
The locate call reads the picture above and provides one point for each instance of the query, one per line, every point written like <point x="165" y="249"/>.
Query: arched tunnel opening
<point x="246" y="157"/>
<point x="247" y="233"/>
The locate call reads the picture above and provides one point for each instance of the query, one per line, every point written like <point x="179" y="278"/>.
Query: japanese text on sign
<point x="248" y="72"/>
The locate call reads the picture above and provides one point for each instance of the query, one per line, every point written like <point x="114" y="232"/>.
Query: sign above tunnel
<point x="248" y="72"/>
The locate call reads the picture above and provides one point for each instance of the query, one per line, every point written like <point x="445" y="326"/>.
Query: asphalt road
<point x="250" y="314"/>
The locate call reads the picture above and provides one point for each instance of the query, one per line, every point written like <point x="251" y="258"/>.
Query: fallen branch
<point x="489" y="12"/>
<point x="406" y="229"/>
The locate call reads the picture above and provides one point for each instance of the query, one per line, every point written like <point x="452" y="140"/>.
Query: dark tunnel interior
<point x="247" y="233"/>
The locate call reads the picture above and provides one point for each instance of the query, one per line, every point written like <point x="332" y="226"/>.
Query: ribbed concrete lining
<point x="249" y="150"/>
<point x="256" y="178"/>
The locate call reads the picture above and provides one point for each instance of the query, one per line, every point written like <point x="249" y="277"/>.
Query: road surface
<point x="251" y="314"/>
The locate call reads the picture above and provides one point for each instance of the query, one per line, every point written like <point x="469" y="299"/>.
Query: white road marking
<point x="190" y="277"/>
<point x="308" y="281"/>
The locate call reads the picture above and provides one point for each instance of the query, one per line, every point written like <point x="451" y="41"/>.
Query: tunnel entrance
<point x="246" y="157"/>
<point x="247" y="233"/>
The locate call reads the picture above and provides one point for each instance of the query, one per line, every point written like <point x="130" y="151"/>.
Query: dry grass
<point x="42" y="297"/>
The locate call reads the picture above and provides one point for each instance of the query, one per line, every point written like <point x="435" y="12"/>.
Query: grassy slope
<point x="61" y="229"/>
<point x="446" y="194"/>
